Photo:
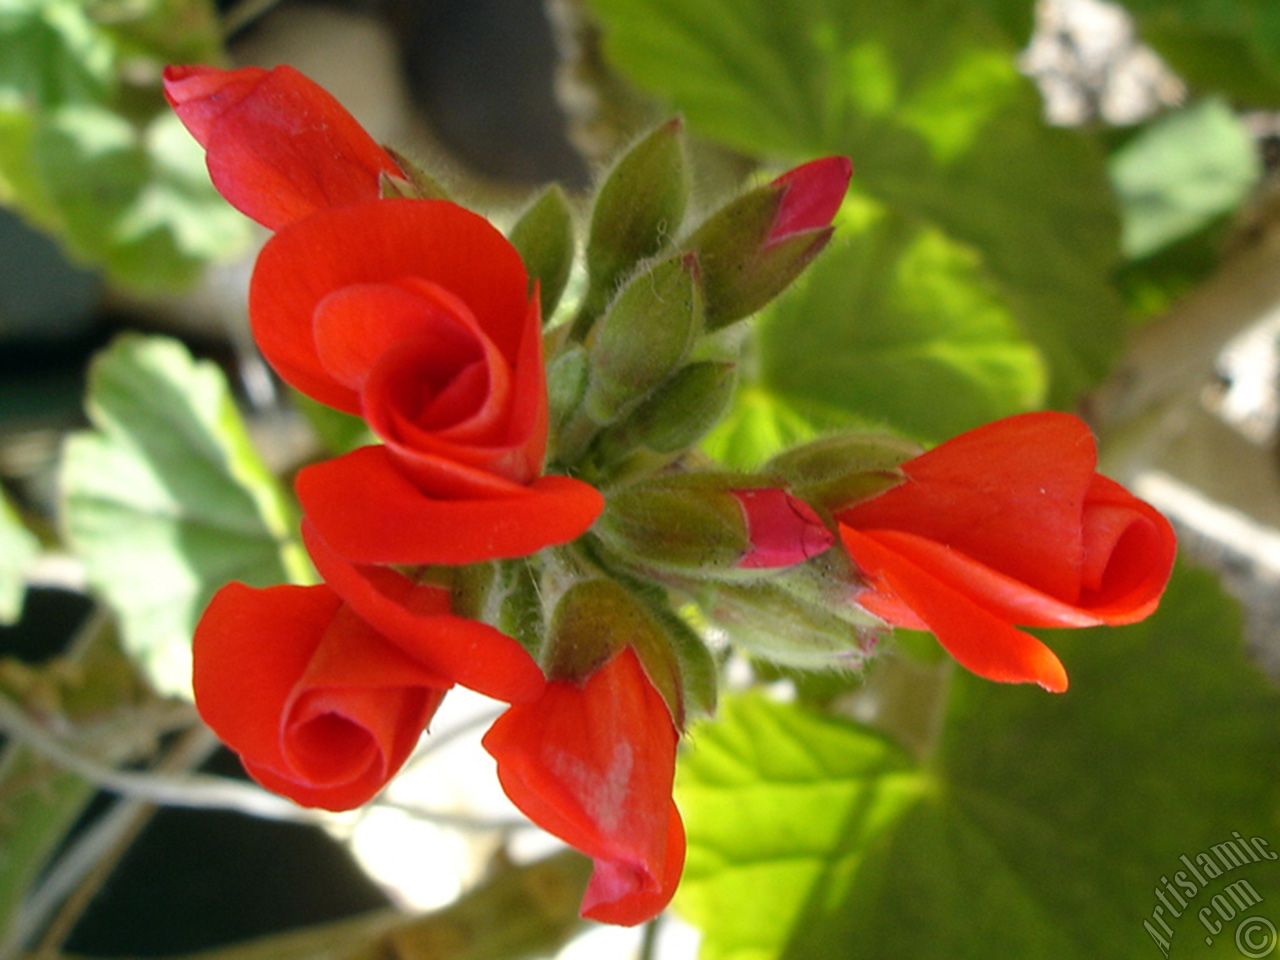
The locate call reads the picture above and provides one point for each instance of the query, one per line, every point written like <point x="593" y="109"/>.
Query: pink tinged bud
<point x="783" y="530"/>
<point x="813" y="194"/>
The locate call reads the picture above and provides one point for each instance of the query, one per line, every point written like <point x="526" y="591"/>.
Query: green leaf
<point x="1039" y="827"/>
<point x="18" y="547"/>
<point x="88" y="150"/>
<point x="760" y="424"/>
<point x="1181" y="173"/>
<point x="1231" y="47"/>
<point x="166" y="501"/>
<point x="927" y="101"/>
<point x="894" y="318"/>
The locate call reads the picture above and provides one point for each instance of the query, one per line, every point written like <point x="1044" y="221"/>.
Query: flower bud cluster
<point x="534" y="521"/>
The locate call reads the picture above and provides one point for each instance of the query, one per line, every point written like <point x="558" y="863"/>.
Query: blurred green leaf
<point x="1039" y="827"/>
<point x="1230" y="47"/>
<point x="18" y="547"/>
<point x="166" y="501"/>
<point x="1181" y="173"/>
<point x="88" y="149"/>
<point x="892" y="319"/>
<point x="943" y="131"/>
<point x="760" y="424"/>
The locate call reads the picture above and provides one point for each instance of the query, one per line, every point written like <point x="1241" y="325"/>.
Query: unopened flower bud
<point x="771" y="624"/>
<point x="674" y="416"/>
<point x="646" y="334"/>
<point x="594" y="619"/>
<point x="711" y="525"/>
<point x="783" y="531"/>
<point x="638" y="211"/>
<point x="753" y="248"/>
<point x="544" y="237"/>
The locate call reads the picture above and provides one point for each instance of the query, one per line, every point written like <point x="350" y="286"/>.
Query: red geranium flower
<point x="319" y="706"/>
<point x="417" y="315"/>
<point x="1009" y="524"/>
<point x="593" y="763"/>
<point x="278" y="145"/>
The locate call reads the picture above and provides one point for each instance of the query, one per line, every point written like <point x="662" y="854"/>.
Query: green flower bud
<point x="594" y="619"/>
<point x="544" y="238"/>
<point x="677" y="414"/>
<point x="567" y="375"/>
<point x="638" y="211"/>
<point x="753" y="248"/>
<point x="647" y="333"/>
<point x="769" y="623"/>
<point x="711" y="525"/>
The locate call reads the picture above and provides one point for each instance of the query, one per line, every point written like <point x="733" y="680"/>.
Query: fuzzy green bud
<point x="677" y="414"/>
<point x="836" y="472"/>
<point x="649" y="330"/>
<point x="637" y="212"/>
<point x="544" y="238"/>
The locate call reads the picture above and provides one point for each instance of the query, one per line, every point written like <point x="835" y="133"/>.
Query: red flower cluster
<point x="418" y="316"/>
<point x="1009" y="524"/>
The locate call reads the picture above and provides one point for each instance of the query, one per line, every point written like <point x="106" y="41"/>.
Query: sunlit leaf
<point x="90" y="153"/>
<point x="166" y="501"/>
<point x="943" y="131"/>
<point x="1039" y="826"/>
<point x="18" y="546"/>
<point x="1180" y="174"/>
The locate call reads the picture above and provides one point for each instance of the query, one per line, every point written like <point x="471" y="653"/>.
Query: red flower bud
<point x="278" y="145"/>
<point x="811" y="198"/>
<point x="783" y="531"/>
<point x="1009" y="524"/>
<point x="593" y="764"/>
<point x="320" y="707"/>
<point x="416" y="314"/>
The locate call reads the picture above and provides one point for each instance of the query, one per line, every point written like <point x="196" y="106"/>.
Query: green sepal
<point x="769" y="623"/>
<point x="637" y="213"/>
<point x="416" y="184"/>
<point x="647" y="333"/>
<point x="544" y="238"/>
<point x="503" y="594"/>
<point x="834" y="473"/>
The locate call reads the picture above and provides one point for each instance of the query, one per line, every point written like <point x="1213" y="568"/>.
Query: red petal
<point x="366" y="510"/>
<point x="383" y="242"/>
<point x="616" y="894"/>
<point x="357" y="325"/>
<point x="417" y="618"/>
<point x="1009" y="494"/>
<point x="814" y="192"/>
<point x="1129" y="553"/>
<point x="594" y="765"/>
<point x="980" y="640"/>
<point x="279" y="146"/>
<point x="319" y="706"/>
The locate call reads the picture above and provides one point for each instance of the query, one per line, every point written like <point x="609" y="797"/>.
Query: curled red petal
<point x="417" y="618"/>
<point x="382" y="242"/>
<point x="1009" y="494"/>
<point x="593" y="763"/>
<point x="320" y="707"/>
<point x="367" y="511"/>
<point x="979" y="639"/>
<point x="1129" y="553"/>
<point x="278" y="145"/>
